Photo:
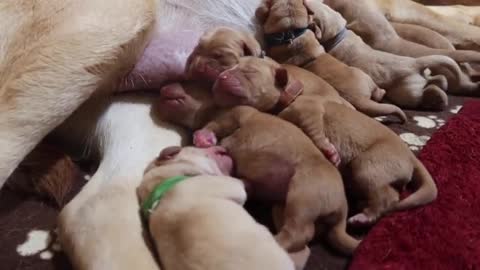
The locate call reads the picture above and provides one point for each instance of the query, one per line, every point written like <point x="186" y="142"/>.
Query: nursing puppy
<point x="367" y="20"/>
<point x="401" y="77"/>
<point x="287" y="168"/>
<point x="219" y="49"/>
<point x="199" y="222"/>
<point x="377" y="159"/>
<point x="305" y="51"/>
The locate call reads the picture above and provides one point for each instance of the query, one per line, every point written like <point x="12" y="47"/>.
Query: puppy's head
<point x="220" y="49"/>
<point x="187" y="104"/>
<point x="256" y="82"/>
<point x="300" y="51"/>
<point x="278" y="16"/>
<point x="186" y="161"/>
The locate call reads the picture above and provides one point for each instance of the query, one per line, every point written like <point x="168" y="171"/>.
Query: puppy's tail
<point x="438" y="61"/>
<point x="373" y="109"/>
<point x="426" y="189"/>
<point x="341" y="240"/>
<point x="440" y="64"/>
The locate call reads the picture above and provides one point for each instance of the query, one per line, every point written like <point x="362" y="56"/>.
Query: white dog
<point x="57" y="54"/>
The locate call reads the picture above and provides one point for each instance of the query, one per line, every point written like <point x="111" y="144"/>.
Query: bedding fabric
<point x="445" y="234"/>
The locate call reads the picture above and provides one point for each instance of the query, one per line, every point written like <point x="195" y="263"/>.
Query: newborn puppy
<point x="376" y="158"/>
<point x="190" y="103"/>
<point x="402" y="77"/>
<point x="196" y="218"/>
<point x="366" y="19"/>
<point x="303" y="49"/>
<point x="219" y="49"/>
<point x="278" y="163"/>
<point x="274" y="154"/>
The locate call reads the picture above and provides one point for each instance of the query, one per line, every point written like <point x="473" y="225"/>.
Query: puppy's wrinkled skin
<point x="220" y="49"/>
<point x="378" y="160"/>
<point x="401" y="77"/>
<point x="422" y="35"/>
<point x="305" y="51"/>
<point x="462" y="35"/>
<point x="314" y="191"/>
<point x="200" y="223"/>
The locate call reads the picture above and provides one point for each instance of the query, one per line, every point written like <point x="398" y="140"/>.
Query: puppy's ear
<point x="309" y="11"/>
<point x="262" y="11"/>
<point x="281" y="77"/>
<point x="169" y="153"/>
<point x="251" y="47"/>
<point x="316" y="30"/>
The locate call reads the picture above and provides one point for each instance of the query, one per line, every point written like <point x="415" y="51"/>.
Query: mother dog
<point x="57" y="54"/>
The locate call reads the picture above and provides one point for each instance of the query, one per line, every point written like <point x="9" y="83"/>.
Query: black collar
<point x="333" y="42"/>
<point x="277" y="39"/>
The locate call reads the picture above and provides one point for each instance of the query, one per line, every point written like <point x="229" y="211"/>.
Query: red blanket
<point x="445" y="234"/>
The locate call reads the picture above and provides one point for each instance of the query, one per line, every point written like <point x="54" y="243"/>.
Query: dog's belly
<point x="163" y="60"/>
<point x="178" y="27"/>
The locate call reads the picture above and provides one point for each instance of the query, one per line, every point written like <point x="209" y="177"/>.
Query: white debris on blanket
<point x="37" y="240"/>
<point x="46" y="255"/>
<point x="456" y="109"/>
<point x="429" y="122"/>
<point x="414" y="141"/>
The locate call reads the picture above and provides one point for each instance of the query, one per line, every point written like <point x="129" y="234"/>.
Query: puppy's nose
<point x="228" y="82"/>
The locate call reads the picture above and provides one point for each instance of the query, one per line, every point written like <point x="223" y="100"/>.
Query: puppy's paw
<point x="361" y="220"/>
<point x="331" y="153"/>
<point x="204" y="138"/>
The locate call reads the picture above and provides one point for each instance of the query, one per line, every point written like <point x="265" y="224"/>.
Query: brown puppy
<point x="367" y="20"/>
<point x="200" y="223"/>
<point x="315" y="191"/>
<point x="462" y="35"/>
<point x="422" y="35"/>
<point x="304" y="50"/>
<point x="278" y="163"/>
<point x="376" y="158"/>
<point x="402" y="77"/>
<point x="219" y="49"/>
<point x="191" y="105"/>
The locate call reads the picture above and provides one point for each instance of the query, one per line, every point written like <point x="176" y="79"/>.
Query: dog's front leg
<point x="101" y="227"/>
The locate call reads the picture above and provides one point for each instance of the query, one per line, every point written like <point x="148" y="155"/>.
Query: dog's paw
<point x="204" y="138"/>
<point x="331" y="154"/>
<point x="362" y="220"/>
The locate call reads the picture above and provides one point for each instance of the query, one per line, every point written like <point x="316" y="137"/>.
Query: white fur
<point x="102" y="222"/>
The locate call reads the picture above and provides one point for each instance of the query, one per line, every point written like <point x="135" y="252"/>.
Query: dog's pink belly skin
<point x="163" y="60"/>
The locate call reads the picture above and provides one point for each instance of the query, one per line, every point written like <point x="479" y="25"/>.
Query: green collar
<point x="158" y="192"/>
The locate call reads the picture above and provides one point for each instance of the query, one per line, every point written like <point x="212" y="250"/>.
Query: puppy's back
<point x="204" y="221"/>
